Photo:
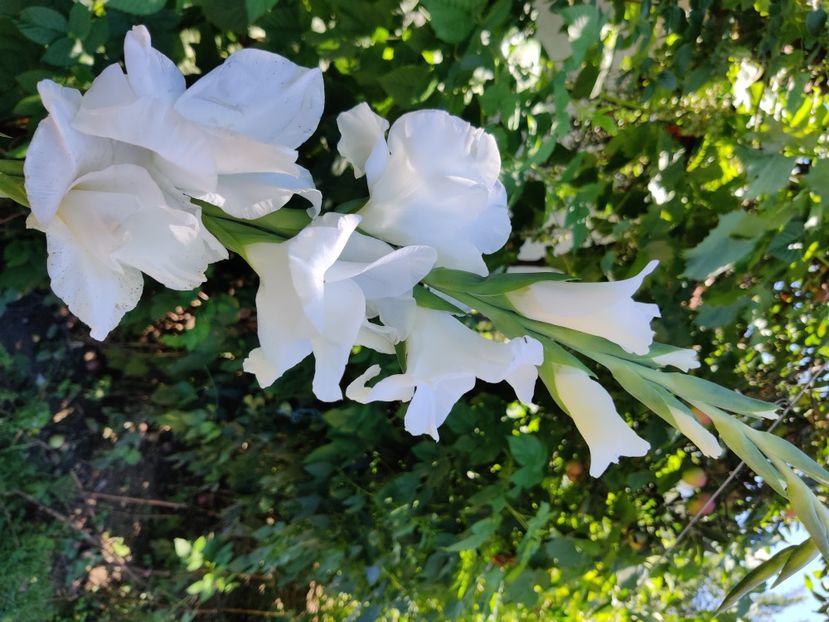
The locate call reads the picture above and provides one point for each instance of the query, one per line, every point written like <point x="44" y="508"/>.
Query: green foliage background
<point x="694" y="133"/>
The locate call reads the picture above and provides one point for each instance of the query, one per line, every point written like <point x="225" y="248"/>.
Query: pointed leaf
<point x="756" y="578"/>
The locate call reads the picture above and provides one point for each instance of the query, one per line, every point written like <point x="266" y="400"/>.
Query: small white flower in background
<point x="107" y="219"/>
<point x="315" y="294"/>
<point x="433" y="182"/>
<point x="603" y="309"/>
<point x="592" y="409"/>
<point x="443" y="359"/>
<point x="230" y="139"/>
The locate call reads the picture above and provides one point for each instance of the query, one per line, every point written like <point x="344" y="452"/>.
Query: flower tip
<point x="650" y="267"/>
<point x="141" y="33"/>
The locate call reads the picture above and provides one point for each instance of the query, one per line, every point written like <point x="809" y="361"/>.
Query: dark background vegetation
<point x="147" y="478"/>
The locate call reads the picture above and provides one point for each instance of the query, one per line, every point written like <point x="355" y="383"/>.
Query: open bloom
<point x="316" y="292"/>
<point x="603" y="309"/>
<point x="230" y="139"/>
<point x="592" y="409"/>
<point x="107" y="219"/>
<point x="434" y="182"/>
<point x="443" y="359"/>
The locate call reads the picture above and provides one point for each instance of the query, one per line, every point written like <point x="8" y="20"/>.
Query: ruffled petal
<point x="258" y="94"/>
<point x="166" y="243"/>
<point x="111" y="109"/>
<point x="361" y="132"/>
<point x="58" y="154"/>
<point x="150" y="73"/>
<point x="440" y="144"/>
<point x="344" y="314"/>
<point x="435" y="183"/>
<point x="312" y="252"/>
<point x="255" y="195"/>
<point x="432" y="403"/>
<point x="99" y="293"/>
<point x="398" y="387"/>
<point x="282" y="327"/>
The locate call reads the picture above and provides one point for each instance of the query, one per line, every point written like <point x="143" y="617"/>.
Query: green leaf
<point x="818" y="180"/>
<point x="12" y="187"/>
<point x="41" y="24"/>
<point x="799" y="558"/>
<point x="815" y="22"/>
<point x="811" y="512"/>
<point x="531" y="541"/>
<point x="734" y="434"/>
<point x="698" y="389"/>
<point x="528" y="451"/>
<point x="479" y="533"/>
<point x="12" y="167"/>
<point x="60" y="53"/>
<point x="497" y="284"/>
<point x="718" y="252"/>
<point x="453" y="20"/>
<point x="756" y="578"/>
<point x="408" y="85"/>
<point x="80" y="21"/>
<point x="429" y="300"/>
<point x="774" y="446"/>
<point x="446" y="279"/>
<point x="714" y="316"/>
<point x="139" y="7"/>
<point x="767" y="172"/>
<point x="586" y="21"/>
<point x="236" y="15"/>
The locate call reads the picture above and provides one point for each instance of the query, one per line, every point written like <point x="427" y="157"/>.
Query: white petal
<point x="592" y="409"/>
<point x="379" y="338"/>
<point x="603" y="309"/>
<point x="683" y="359"/>
<point x="255" y="195"/>
<point x="151" y="74"/>
<point x="432" y="403"/>
<point x="389" y="276"/>
<point x="345" y="310"/>
<point x="527" y="355"/>
<point x="441" y="345"/>
<point x="397" y="314"/>
<point x="58" y="154"/>
<point x="259" y="94"/>
<point x="237" y="153"/>
<point x="440" y="144"/>
<point x="361" y="131"/>
<point x="398" y="387"/>
<point x="111" y="109"/>
<point x="283" y="329"/>
<point x="311" y="253"/>
<point x="166" y="243"/>
<point x="99" y="293"/>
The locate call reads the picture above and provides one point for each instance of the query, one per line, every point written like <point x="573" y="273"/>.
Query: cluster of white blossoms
<point x="111" y="175"/>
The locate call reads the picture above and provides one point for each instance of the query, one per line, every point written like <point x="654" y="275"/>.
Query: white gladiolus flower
<point x="230" y="139"/>
<point x="107" y="219"/>
<point x="443" y="359"/>
<point x="603" y="309"/>
<point x="592" y="409"/>
<point x="433" y="182"/>
<point x="316" y="291"/>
